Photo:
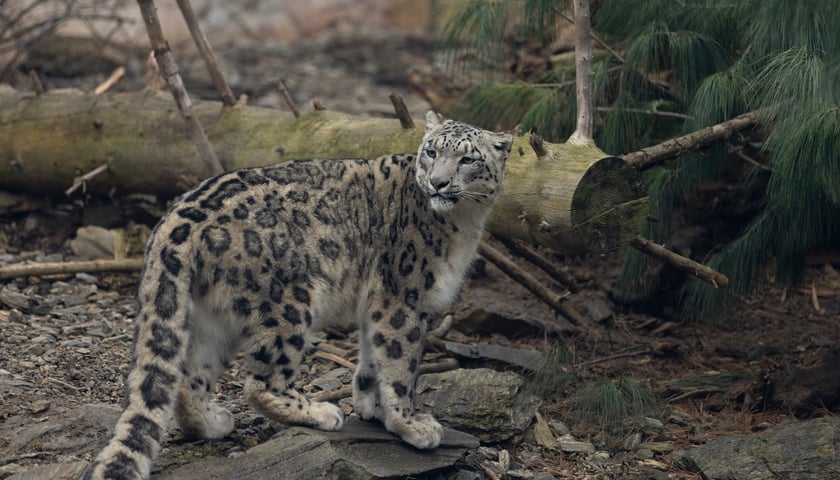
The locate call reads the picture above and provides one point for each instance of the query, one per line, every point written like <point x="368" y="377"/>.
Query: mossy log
<point x="572" y="198"/>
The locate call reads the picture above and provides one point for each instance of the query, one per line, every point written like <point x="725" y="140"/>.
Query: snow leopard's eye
<point x="467" y="161"/>
<point x="431" y="153"/>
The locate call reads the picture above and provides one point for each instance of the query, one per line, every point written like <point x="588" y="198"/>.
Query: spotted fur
<point x="252" y="260"/>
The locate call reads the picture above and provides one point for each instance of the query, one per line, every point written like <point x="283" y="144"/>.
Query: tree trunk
<point x="574" y="199"/>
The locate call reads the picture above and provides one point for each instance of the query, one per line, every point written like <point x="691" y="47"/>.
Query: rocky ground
<point x="65" y="346"/>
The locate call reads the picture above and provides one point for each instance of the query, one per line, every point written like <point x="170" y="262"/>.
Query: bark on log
<point x="575" y="200"/>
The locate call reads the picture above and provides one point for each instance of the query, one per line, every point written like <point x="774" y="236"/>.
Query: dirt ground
<point x="65" y="341"/>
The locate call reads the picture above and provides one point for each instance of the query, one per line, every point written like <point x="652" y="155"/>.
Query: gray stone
<point x="569" y="445"/>
<point x="55" y="471"/>
<point x="360" y="450"/>
<point x="796" y="451"/>
<point x="467" y="475"/>
<point x="493" y="406"/>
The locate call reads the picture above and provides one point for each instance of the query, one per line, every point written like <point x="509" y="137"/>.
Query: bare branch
<point x="169" y="69"/>
<point x="207" y="54"/>
<point x="656" y="154"/>
<point x="554" y="300"/>
<point x="54" y="268"/>
<point x="287" y="97"/>
<point x="687" y="265"/>
<point x="401" y="110"/>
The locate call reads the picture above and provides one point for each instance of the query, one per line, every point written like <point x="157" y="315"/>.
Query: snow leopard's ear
<point x="503" y="142"/>
<point x="433" y="120"/>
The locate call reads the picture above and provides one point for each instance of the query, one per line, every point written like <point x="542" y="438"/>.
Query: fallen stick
<point x="554" y="300"/>
<point x="687" y="265"/>
<point x="83" y="179"/>
<point x="532" y="256"/>
<point x="54" y="268"/>
<point x="115" y="77"/>
<point x="335" y="359"/>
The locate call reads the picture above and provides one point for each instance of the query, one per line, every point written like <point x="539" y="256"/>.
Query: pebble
<point x="559" y="427"/>
<point x="678" y="417"/>
<point x="568" y="444"/>
<point x="85" y="277"/>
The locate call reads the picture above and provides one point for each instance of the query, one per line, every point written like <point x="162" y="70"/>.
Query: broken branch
<point x="288" y="98"/>
<point x="554" y="300"/>
<point x="207" y="54"/>
<point x="54" y="268"/>
<point x="656" y="154"/>
<point x="687" y="265"/>
<point x="401" y="110"/>
<point x="82" y="179"/>
<point x="532" y="256"/>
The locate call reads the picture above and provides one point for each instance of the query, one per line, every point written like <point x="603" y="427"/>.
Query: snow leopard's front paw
<point x="366" y="404"/>
<point x="420" y="430"/>
<point x="326" y="416"/>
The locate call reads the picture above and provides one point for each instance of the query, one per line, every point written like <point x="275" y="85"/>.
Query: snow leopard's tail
<point x="160" y="350"/>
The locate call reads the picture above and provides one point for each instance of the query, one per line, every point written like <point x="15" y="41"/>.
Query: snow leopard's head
<point x="460" y="164"/>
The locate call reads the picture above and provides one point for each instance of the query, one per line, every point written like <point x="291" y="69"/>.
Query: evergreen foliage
<point x="682" y="66"/>
<point x="611" y="404"/>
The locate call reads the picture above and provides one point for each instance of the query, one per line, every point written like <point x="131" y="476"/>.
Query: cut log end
<point x="597" y="203"/>
<point x="609" y="207"/>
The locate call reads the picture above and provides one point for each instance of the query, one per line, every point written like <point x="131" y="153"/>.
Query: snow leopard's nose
<point x="438" y="183"/>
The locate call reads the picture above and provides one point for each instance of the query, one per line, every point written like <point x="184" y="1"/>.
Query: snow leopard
<point x="249" y="262"/>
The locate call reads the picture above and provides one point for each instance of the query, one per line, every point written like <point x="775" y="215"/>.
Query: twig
<point x="207" y="54"/>
<point x="707" y="274"/>
<point x="698" y="391"/>
<point x="554" y="300"/>
<point x="169" y="69"/>
<point x="617" y="356"/>
<point x="490" y="474"/>
<point x="37" y="84"/>
<point x="444" y="365"/>
<point x="336" y="359"/>
<point x="443" y="327"/>
<point x="53" y="268"/>
<point x="740" y="153"/>
<point x="656" y="154"/>
<point x="288" y="98"/>
<point x="334" y="395"/>
<point x="115" y="77"/>
<point x="656" y="113"/>
<point x="401" y="110"/>
<point x="82" y="179"/>
<point x="532" y="256"/>
<point x="815" y="299"/>
<point x="594" y="37"/>
<point x="538" y="145"/>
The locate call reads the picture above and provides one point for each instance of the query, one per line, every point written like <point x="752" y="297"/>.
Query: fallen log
<point x="573" y="198"/>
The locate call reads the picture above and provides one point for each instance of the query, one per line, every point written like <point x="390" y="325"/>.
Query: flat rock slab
<point x="494" y="406"/>
<point x="360" y="450"/>
<point x="793" y="451"/>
